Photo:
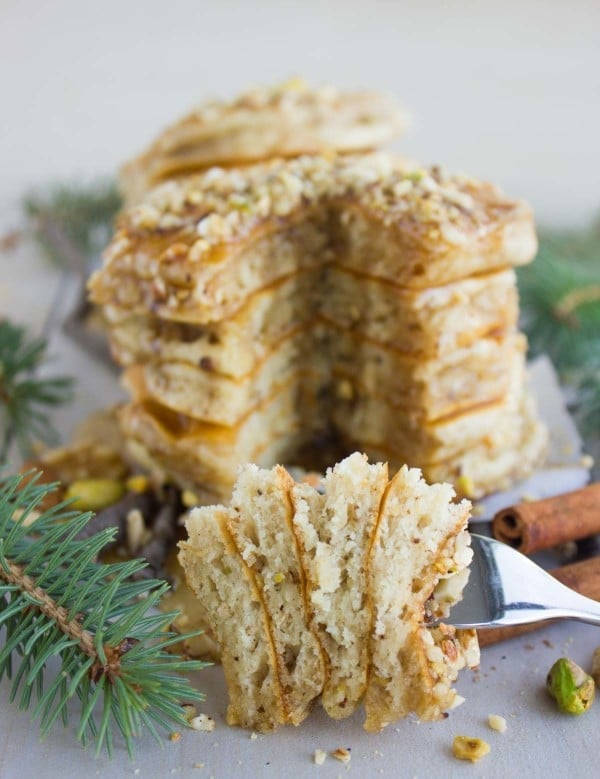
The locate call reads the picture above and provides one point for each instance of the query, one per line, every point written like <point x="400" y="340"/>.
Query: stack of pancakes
<point x="330" y="299"/>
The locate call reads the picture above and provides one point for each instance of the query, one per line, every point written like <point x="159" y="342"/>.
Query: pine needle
<point x="73" y="223"/>
<point x="560" y="312"/>
<point x="56" y="601"/>
<point x="26" y="399"/>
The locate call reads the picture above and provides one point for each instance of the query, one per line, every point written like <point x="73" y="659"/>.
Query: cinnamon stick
<point x="545" y="523"/>
<point x="583" y="577"/>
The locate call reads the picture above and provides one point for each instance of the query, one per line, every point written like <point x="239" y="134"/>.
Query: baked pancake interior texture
<point x="296" y="310"/>
<point x="337" y="583"/>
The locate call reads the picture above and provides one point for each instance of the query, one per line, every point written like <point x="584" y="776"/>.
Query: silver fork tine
<point x="506" y="588"/>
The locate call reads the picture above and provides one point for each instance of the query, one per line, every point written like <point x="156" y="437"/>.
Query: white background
<point x="504" y="90"/>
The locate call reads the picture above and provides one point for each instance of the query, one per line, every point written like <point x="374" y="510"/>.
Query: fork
<point x="505" y="588"/>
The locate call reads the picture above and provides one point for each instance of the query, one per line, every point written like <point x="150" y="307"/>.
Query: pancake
<point x="367" y="559"/>
<point x="195" y="249"/>
<point x="305" y="296"/>
<point x="229" y="600"/>
<point x="353" y="367"/>
<point x="284" y="121"/>
<point x="420" y="534"/>
<point x="427" y="323"/>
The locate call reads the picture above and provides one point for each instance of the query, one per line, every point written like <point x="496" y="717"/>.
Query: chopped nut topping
<point x="221" y="206"/>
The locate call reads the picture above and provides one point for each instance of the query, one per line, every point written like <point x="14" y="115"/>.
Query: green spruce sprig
<point x="560" y="298"/>
<point x="56" y="600"/>
<point x="560" y="307"/>
<point x="25" y="398"/>
<point x="73" y="222"/>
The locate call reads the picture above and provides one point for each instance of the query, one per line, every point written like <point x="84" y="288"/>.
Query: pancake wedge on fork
<point x="260" y="521"/>
<point x="334" y="531"/>
<point x="236" y="617"/>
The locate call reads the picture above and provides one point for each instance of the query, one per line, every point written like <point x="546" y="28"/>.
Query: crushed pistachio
<point x="571" y="687"/>
<point x="138" y="483"/>
<point x="189" y="499"/>
<point x="94" y="494"/>
<point x="464" y="484"/>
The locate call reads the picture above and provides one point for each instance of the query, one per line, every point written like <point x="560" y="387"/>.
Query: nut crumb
<point x="341" y="754"/>
<point x="189" y="499"/>
<point x="468" y="748"/>
<point x="203" y="723"/>
<point x="496" y="722"/>
<point x="319" y="756"/>
<point x="189" y="711"/>
<point x="198" y="765"/>
<point x="253" y="736"/>
<point x="175" y="736"/>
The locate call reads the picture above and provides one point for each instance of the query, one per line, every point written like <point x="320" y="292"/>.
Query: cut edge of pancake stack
<point x="330" y="589"/>
<point x="330" y="299"/>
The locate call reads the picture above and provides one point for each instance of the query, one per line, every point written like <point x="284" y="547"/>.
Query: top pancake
<point x="197" y="247"/>
<point x="283" y="121"/>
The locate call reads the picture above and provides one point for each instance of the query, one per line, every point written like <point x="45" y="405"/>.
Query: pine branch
<point x="560" y="305"/>
<point x="55" y="600"/>
<point x="26" y="399"/>
<point x="560" y="298"/>
<point x="73" y="223"/>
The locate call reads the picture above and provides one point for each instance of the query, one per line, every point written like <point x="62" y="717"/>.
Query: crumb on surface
<point x="319" y="756"/>
<point x="497" y="722"/>
<point x="253" y="736"/>
<point x="189" y="711"/>
<point x="469" y="748"/>
<point x="202" y="723"/>
<point x="341" y="754"/>
<point x="529" y="497"/>
<point x="175" y="736"/>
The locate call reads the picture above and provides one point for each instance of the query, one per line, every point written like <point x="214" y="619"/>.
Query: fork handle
<point x="583" y="577"/>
